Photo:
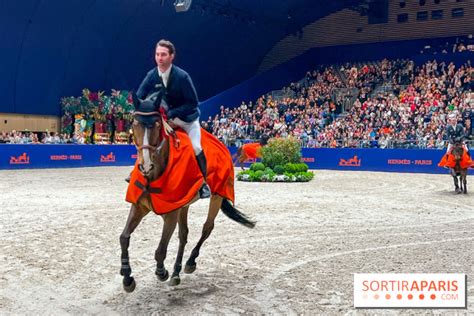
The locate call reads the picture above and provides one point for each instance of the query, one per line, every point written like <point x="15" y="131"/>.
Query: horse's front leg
<point x="134" y="218"/>
<point x="183" y="239"/>
<point x="456" y="184"/>
<point x="170" y="220"/>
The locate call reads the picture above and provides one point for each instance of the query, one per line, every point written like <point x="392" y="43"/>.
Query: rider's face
<point x="163" y="58"/>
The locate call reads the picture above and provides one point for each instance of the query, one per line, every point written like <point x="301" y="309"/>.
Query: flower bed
<point x="281" y="162"/>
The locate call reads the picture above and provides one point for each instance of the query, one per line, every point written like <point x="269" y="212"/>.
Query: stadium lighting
<point x="182" y="5"/>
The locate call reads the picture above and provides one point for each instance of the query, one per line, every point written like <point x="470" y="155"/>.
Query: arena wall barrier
<point x="361" y="159"/>
<point x="70" y="156"/>
<point x="65" y="156"/>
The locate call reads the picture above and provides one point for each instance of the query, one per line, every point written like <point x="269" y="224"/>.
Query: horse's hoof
<point x="163" y="277"/>
<point x="175" y="280"/>
<point x="129" y="285"/>
<point x="465" y="192"/>
<point x="189" y="268"/>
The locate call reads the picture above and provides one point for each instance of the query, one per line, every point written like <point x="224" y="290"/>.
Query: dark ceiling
<point x="55" y="48"/>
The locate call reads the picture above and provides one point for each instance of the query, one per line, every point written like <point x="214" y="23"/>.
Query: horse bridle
<point x="150" y="147"/>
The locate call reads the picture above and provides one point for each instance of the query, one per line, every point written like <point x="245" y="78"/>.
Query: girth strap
<point x="147" y="187"/>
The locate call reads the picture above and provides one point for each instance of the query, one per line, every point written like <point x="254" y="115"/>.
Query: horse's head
<point x="147" y="131"/>
<point x="264" y="139"/>
<point x="457" y="151"/>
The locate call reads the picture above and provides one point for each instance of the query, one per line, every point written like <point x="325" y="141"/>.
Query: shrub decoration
<point x="281" y="162"/>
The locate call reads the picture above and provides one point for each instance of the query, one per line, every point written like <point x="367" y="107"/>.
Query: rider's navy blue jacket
<point x="179" y="94"/>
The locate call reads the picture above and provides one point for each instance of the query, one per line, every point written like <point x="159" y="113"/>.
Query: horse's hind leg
<point x="464" y="180"/>
<point x="134" y="218"/>
<point x="241" y="157"/>
<point x="183" y="239"/>
<point x="170" y="220"/>
<point x="215" y="205"/>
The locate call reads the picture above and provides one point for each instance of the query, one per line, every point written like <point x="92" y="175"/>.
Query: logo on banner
<point x="134" y="156"/>
<point x="58" y="157"/>
<point x="308" y="159"/>
<point x="23" y="159"/>
<point x="65" y="157"/>
<point x="442" y="290"/>
<point x="399" y="162"/>
<point x="109" y="158"/>
<point x="418" y="162"/>
<point x="351" y="162"/>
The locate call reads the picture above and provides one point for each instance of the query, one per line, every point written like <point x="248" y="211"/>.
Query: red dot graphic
<point x="422" y="296"/>
<point x="433" y="296"/>
<point x="399" y="296"/>
<point x="387" y="296"/>
<point x="410" y="296"/>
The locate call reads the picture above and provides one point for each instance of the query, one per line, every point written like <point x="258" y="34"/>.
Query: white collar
<point x="165" y="75"/>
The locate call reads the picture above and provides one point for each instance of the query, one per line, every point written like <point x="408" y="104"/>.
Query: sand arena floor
<point x="60" y="253"/>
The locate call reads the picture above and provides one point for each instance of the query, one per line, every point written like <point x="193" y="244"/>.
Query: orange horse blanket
<point x="252" y="150"/>
<point x="182" y="177"/>
<point x="449" y="161"/>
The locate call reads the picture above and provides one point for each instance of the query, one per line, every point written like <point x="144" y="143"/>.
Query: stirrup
<point x="204" y="191"/>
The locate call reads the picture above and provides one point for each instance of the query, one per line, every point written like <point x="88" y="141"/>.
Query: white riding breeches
<point x="193" y="129"/>
<point x="450" y="147"/>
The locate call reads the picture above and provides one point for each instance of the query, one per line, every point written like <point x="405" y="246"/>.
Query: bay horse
<point x="153" y="139"/>
<point x="249" y="151"/>
<point x="458" y="170"/>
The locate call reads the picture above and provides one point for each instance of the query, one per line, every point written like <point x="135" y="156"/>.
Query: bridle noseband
<point x="151" y="147"/>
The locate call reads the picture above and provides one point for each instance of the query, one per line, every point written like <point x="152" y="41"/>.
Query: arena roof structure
<point x="55" y="48"/>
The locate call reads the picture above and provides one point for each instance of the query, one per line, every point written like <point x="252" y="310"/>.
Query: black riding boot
<point x="204" y="191"/>
<point x="127" y="179"/>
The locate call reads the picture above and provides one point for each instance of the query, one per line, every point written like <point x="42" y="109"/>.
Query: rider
<point x="180" y="101"/>
<point x="455" y="133"/>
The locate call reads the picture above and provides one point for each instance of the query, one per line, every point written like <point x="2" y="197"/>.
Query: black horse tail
<point x="234" y="214"/>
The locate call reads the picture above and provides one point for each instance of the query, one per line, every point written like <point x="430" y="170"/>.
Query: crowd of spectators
<point x="310" y="109"/>
<point x="412" y="114"/>
<point x="16" y="137"/>
<point x="458" y="45"/>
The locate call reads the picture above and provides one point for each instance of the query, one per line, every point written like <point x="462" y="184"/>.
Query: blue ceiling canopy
<point x="55" y="48"/>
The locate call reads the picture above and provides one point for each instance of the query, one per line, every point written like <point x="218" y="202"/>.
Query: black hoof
<point x="189" y="268"/>
<point x="175" y="280"/>
<point x="162" y="276"/>
<point x="129" y="284"/>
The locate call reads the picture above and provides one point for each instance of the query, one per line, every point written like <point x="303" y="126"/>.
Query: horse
<point x="458" y="170"/>
<point x="153" y="139"/>
<point x="249" y="151"/>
